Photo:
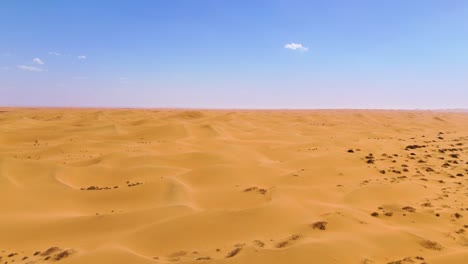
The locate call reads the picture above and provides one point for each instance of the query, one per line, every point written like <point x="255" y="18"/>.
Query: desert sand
<point x="220" y="186"/>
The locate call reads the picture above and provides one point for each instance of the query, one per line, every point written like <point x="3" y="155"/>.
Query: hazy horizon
<point x="235" y="55"/>
<point x="233" y="108"/>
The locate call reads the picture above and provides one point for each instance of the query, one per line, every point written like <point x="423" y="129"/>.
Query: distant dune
<point x="226" y="186"/>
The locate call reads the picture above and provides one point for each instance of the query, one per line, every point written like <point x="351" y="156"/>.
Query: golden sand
<point x="186" y="186"/>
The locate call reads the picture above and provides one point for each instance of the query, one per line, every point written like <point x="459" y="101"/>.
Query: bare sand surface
<point x="189" y="186"/>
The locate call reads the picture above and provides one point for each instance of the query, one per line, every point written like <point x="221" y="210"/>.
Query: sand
<point x="189" y="186"/>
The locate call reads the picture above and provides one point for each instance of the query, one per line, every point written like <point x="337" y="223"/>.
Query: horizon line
<point x="233" y="108"/>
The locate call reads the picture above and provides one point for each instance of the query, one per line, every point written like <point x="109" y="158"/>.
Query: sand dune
<point x="202" y="186"/>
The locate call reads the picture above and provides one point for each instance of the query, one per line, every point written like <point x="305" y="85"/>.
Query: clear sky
<point x="234" y="54"/>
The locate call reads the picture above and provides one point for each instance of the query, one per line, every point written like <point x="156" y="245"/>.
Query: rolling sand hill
<point x="177" y="186"/>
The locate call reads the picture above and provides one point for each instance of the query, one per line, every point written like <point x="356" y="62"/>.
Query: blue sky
<point x="234" y="54"/>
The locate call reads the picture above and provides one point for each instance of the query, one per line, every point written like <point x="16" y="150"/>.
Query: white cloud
<point x="82" y="57"/>
<point x="80" y="77"/>
<point x="38" y="61"/>
<point x="29" y="68"/>
<point x="54" y="53"/>
<point x="296" y="46"/>
<point x="123" y="80"/>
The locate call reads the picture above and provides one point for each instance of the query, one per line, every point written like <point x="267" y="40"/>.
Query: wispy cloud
<point x="82" y="57"/>
<point x="54" y="53"/>
<point x="38" y="61"/>
<point x="29" y="68"/>
<point x="296" y="46"/>
<point x="123" y="80"/>
<point x="80" y="77"/>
